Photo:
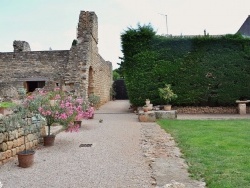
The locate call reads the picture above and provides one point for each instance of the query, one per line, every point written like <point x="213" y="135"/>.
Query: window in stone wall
<point x="32" y="85"/>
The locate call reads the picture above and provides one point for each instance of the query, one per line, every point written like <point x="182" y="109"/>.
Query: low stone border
<point x="152" y="116"/>
<point x="164" y="158"/>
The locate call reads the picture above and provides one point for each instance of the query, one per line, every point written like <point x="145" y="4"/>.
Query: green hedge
<point x="203" y="71"/>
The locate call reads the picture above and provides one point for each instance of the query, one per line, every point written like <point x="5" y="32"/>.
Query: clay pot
<point x="26" y="158"/>
<point x="78" y="123"/>
<point x="92" y="117"/>
<point x="49" y="140"/>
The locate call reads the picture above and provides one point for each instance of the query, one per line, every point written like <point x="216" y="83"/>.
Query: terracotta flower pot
<point x="26" y="158"/>
<point x="49" y="140"/>
<point x="92" y="117"/>
<point x="78" y="123"/>
<point x="167" y="107"/>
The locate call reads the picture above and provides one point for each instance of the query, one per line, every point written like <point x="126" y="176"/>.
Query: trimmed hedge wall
<point x="203" y="71"/>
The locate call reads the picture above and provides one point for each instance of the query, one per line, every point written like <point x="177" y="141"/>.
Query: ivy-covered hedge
<point x="203" y="71"/>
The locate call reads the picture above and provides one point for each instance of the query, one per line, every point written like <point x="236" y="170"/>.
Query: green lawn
<point x="217" y="151"/>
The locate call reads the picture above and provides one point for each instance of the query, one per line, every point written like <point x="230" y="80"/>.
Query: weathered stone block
<point x="1" y="138"/>
<point x="29" y="137"/>
<point x="21" y="148"/>
<point x="13" y="152"/>
<point x="12" y="135"/>
<point x="35" y="142"/>
<point x="10" y="145"/>
<point x="15" y="132"/>
<point x="8" y="153"/>
<point x="17" y="149"/>
<point x="20" y="132"/>
<point x="2" y="155"/>
<point x="5" y="137"/>
<point x="147" y="117"/>
<point x="3" y="146"/>
<point x="15" y="143"/>
<point x="172" y="114"/>
<point x="20" y="141"/>
<point x="7" y="160"/>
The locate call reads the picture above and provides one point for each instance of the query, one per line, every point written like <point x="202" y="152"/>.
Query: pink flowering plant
<point x="64" y="109"/>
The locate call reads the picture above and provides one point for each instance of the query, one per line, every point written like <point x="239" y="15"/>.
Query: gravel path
<point x="114" y="160"/>
<point x="125" y="153"/>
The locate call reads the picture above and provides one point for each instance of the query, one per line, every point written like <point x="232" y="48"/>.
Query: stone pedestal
<point x="242" y="109"/>
<point x="242" y="106"/>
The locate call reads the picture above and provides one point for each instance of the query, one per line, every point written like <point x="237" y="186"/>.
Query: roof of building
<point x="245" y="28"/>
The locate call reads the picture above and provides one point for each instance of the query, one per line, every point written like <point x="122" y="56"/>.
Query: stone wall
<point x="19" y="67"/>
<point x="208" y="110"/>
<point x="12" y="137"/>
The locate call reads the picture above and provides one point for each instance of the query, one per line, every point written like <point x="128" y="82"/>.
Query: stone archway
<point x="91" y="81"/>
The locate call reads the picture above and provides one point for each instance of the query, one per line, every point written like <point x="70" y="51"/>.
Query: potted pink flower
<point x="64" y="110"/>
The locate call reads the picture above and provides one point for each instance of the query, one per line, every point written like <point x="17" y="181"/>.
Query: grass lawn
<point x="217" y="151"/>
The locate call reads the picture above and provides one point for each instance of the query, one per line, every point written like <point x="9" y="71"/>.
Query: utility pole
<point x="166" y="21"/>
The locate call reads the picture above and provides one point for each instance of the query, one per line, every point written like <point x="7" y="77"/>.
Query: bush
<point x="203" y="71"/>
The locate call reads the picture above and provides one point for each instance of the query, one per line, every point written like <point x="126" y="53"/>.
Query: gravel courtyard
<point x="124" y="153"/>
<point x="114" y="160"/>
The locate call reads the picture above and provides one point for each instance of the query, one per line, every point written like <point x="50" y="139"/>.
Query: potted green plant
<point x="64" y="110"/>
<point x="94" y="100"/>
<point x="167" y="94"/>
<point x="5" y="107"/>
<point x="26" y="157"/>
<point x="20" y="118"/>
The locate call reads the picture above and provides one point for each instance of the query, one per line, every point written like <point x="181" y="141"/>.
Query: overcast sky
<point x="52" y="23"/>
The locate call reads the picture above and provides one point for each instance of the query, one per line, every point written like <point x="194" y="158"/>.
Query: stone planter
<point x="145" y="108"/>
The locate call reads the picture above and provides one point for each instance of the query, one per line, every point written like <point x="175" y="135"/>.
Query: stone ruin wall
<point x="21" y="46"/>
<point x="16" y="68"/>
<point x="72" y="67"/>
<point x="12" y="138"/>
<point x="94" y="73"/>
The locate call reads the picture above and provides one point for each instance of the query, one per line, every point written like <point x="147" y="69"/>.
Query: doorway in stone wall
<point x="91" y="81"/>
<point x="120" y="89"/>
